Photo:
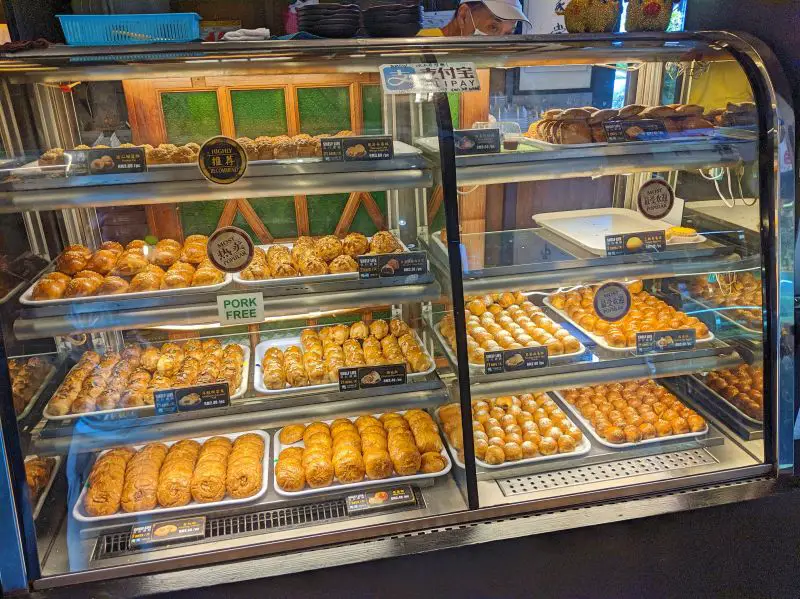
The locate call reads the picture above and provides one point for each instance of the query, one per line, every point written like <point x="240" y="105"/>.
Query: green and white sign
<point x="240" y="308"/>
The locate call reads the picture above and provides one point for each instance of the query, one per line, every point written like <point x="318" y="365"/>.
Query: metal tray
<point x="600" y="340"/>
<point x="714" y="135"/>
<point x="478" y="369"/>
<point x="337" y="486"/>
<point x="590" y="429"/>
<point x="341" y="276"/>
<point x="720" y="311"/>
<point x="239" y="393"/>
<point x="40" y="502"/>
<point x="727" y="404"/>
<point x="283" y="342"/>
<point x="32" y="402"/>
<point x="588" y="228"/>
<point x="28" y="300"/>
<point x="582" y="449"/>
<point x="77" y="510"/>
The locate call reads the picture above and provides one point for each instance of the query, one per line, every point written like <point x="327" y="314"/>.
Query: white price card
<point x="240" y="308"/>
<point x="428" y="78"/>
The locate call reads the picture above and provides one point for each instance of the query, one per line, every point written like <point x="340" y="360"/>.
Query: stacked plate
<point x="329" y="20"/>
<point x="394" y="20"/>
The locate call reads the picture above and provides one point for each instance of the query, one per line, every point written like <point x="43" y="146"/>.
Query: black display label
<point x="188" y="399"/>
<point x="511" y="360"/>
<point x="612" y="301"/>
<point x="645" y="242"/>
<point x="392" y="265"/>
<point x="357" y="149"/>
<point x="222" y="160"/>
<point x="368" y="377"/>
<point x="380" y="499"/>
<point x="635" y="130"/>
<point x="661" y="341"/>
<point x="168" y="531"/>
<point x="655" y="199"/>
<point x="107" y="161"/>
<point x="476" y="141"/>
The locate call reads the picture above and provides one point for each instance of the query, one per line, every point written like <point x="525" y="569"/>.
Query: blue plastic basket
<point x="122" y="30"/>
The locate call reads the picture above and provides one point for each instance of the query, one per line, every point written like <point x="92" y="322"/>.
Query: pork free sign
<point x="240" y="308"/>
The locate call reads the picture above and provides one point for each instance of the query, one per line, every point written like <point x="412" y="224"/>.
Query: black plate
<point x="333" y="31"/>
<point x="317" y="9"/>
<point x="409" y="30"/>
<point x="339" y="19"/>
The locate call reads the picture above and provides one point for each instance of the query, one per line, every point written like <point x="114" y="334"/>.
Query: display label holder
<point x="383" y="498"/>
<point x="392" y="265"/>
<point x="167" y="532"/>
<point x="362" y="148"/>
<point x="635" y="130"/>
<point x="513" y="360"/>
<point x="107" y="161"/>
<point x="370" y="377"/>
<point x="190" y="399"/>
<point x="470" y="142"/>
<point x="650" y="342"/>
<point x="644" y="242"/>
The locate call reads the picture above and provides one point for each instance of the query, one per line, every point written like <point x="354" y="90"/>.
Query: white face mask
<point x="476" y="31"/>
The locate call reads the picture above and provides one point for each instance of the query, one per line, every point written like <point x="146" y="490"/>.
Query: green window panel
<point x="200" y="218"/>
<point x="190" y="116"/>
<point x="259" y="112"/>
<point x="372" y="109"/>
<point x="276" y="213"/>
<point x="323" y="109"/>
<point x="325" y="211"/>
<point x="437" y="223"/>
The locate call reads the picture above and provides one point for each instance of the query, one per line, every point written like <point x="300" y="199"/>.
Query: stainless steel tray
<point x="727" y="404"/>
<point x="43" y="496"/>
<point x="720" y="311"/>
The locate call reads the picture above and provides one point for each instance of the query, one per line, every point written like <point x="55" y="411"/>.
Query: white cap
<point x="509" y="10"/>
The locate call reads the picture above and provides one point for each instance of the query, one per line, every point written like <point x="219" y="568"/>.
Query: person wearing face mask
<point x="487" y="17"/>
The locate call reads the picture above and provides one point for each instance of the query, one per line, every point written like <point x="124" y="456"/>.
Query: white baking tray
<point x="747" y="216"/>
<point x="36" y="395"/>
<point x="78" y="513"/>
<point x="600" y="340"/>
<point x="588" y="426"/>
<point x="337" y="486"/>
<point x="727" y="404"/>
<point x="239" y="393"/>
<point x="282" y="282"/>
<point x="27" y="297"/>
<point x="40" y="502"/>
<point x="283" y="342"/>
<point x="588" y="228"/>
<point x="580" y="450"/>
<point x="720" y="311"/>
<point x="478" y="369"/>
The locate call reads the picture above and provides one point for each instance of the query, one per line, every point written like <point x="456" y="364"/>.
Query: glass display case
<point x="253" y="297"/>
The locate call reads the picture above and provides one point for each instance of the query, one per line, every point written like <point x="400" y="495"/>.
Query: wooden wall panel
<point x="536" y="197"/>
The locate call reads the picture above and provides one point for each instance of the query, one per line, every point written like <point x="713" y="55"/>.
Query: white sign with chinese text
<point x="240" y="308"/>
<point x="427" y="78"/>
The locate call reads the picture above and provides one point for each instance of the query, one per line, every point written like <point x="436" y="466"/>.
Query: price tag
<point x="428" y="78"/>
<point x="646" y="242"/>
<point x="612" y="301"/>
<point x="107" y="161"/>
<point x="511" y="360"/>
<point x="661" y="341"/>
<point x="379" y="499"/>
<point x="392" y="265"/>
<point x="635" y="130"/>
<point x="476" y="141"/>
<point x="188" y="399"/>
<point x="357" y="149"/>
<point x="230" y="249"/>
<point x="240" y="308"/>
<point x="222" y="160"/>
<point x="655" y="199"/>
<point x="368" y="377"/>
<point x="168" y="531"/>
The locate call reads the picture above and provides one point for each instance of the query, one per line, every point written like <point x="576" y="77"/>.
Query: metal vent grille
<point x="618" y="469"/>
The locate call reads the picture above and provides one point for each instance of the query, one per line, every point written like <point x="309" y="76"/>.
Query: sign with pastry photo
<point x="375" y="266"/>
<point x="661" y="341"/>
<point x="511" y="360"/>
<point x="476" y="141"/>
<point x="166" y="532"/>
<point x="187" y="399"/>
<point x="357" y="148"/>
<point x="107" y="161"/>
<point x="379" y="499"/>
<point x="222" y="160"/>
<point x="635" y="130"/>
<point x="645" y="242"/>
<point x="367" y="377"/>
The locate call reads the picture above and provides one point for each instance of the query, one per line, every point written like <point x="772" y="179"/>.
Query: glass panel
<point x="323" y="109"/>
<point x="372" y="109"/>
<point x="258" y="112"/>
<point x="190" y="116"/>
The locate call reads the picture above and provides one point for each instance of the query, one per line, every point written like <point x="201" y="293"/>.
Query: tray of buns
<point x="632" y="414"/>
<point x="175" y="476"/>
<point x="137" y="270"/>
<point x="734" y="297"/>
<point x="647" y="313"/>
<point x="29" y="377"/>
<point x="589" y="228"/>
<point x="514" y="431"/>
<point x="353" y="453"/>
<point x="118" y="382"/>
<point x="507" y="320"/>
<point x="312" y="359"/>
<point x="739" y="388"/>
<point x="39" y="476"/>
<point x="309" y="260"/>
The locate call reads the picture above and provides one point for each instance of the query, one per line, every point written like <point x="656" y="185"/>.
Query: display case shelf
<point x="595" y="160"/>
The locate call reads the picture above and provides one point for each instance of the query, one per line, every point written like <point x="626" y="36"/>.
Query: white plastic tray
<point x="479" y="368"/>
<point x="741" y="215"/>
<point x="727" y="404"/>
<point x="283" y="342"/>
<point x="40" y="502"/>
<point x="36" y="395"/>
<point x="600" y="340"/>
<point x="580" y="450"/>
<point x="588" y="426"/>
<point x="27" y="297"/>
<point x="78" y="513"/>
<point x="239" y="393"/>
<point x="282" y="282"/>
<point x="337" y="486"/>
<point x="588" y="228"/>
<point x="720" y="311"/>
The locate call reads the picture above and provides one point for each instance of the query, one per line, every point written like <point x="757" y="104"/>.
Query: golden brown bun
<point x="112" y="285"/>
<point x="657" y="112"/>
<point x="573" y="132"/>
<point x="551" y="114"/>
<point x="601" y="116"/>
<point x="630" y="111"/>
<point x="49" y="288"/>
<point x="689" y="110"/>
<point x="579" y="114"/>
<point x="72" y="261"/>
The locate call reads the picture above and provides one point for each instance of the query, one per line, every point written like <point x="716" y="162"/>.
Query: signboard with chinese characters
<point x="381" y="498"/>
<point x="428" y="78"/>
<point x="230" y="249"/>
<point x="612" y="302"/>
<point x="107" y="161"/>
<point x="168" y="531"/>
<point x="188" y="399"/>
<point x="392" y="265"/>
<point x="222" y="160"/>
<point x="367" y="377"/>
<point x="655" y="199"/>
<point x="635" y="130"/>
<point x="645" y="242"/>
<point x="357" y="148"/>
<point x="661" y="341"/>
<point x="476" y="141"/>
<point x="511" y="360"/>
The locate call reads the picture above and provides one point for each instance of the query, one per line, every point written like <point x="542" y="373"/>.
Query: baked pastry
<point x="165" y="253"/>
<point x="130" y="263"/>
<point x="245" y="466"/>
<point x="81" y="287"/>
<point x="193" y="253"/>
<point x="112" y="285"/>
<point x="175" y="476"/>
<point x="102" y="261"/>
<point x="71" y="261"/>
<point x="37" y="474"/>
<point x="139" y="493"/>
<point x="328" y="247"/>
<point x="106" y="480"/>
<point x="342" y="264"/>
<point x="209" y="477"/>
<point x="355" y="244"/>
<point x="49" y="287"/>
<point x="291" y="433"/>
<point x="383" y="242"/>
<point x="434" y="462"/>
<point x="289" y="475"/>
<point x="146" y="281"/>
